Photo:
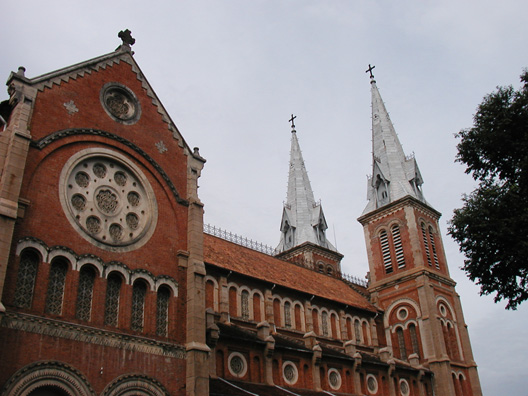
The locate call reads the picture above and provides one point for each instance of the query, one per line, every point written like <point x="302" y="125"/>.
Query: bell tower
<point x="409" y="276"/>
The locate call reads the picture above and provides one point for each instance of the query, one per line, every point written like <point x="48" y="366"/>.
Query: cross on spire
<point x="369" y="70"/>
<point x="292" y="121"/>
<point x="126" y="36"/>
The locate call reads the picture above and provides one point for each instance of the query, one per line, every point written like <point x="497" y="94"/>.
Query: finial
<point x="21" y="71"/>
<point x="128" y="40"/>
<point x="369" y="70"/>
<point x="292" y="122"/>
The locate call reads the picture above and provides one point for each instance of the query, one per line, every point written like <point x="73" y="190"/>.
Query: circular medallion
<point x="237" y="364"/>
<point x="120" y="103"/>
<point x="289" y="372"/>
<point x="404" y="387"/>
<point x="372" y="384"/>
<point x="108" y="200"/>
<point x="334" y="379"/>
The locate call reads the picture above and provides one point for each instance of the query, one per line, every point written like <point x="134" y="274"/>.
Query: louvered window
<point x="398" y="247"/>
<point x="433" y="248"/>
<point x="27" y="274"/>
<point x="385" y="251"/>
<point x="162" y="311"/>
<point x="85" y="293"/>
<point x="426" y="244"/>
<point x="57" y="278"/>
<point x="113" y="290"/>
<point x="139" y="291"/>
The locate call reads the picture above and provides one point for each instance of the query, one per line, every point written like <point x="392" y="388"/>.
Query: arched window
<point x="233" y="302"/>
<point x="401" y="343"/>
<point x="257" y="316"/>
<point x="324" y="323"/>
<point x="414" y="339"/>
<point x="244" y="304"/>
<point x="83" y="309"/>
<point x="162" y="311"/>
<point x="433" y="247"/>
<point x="113" y="291"/>
<point x="333" y="325"/>
<point x="55" y="294"/>
<point x="139" y="292"/>
<point x="357" y="331"/>
<point x="287" y="314"/>
<point x="315" y="321"/>
<point x="209" y="294"/>
<point x="27" y="274"/>
<point x="398" y="247"/>
<point x="276" y="312"/>
<point x="385" y="251"/>
<point x="298" y="323"/>
<point x="426" y="244"/>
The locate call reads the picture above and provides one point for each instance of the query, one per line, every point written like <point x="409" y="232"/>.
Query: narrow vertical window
<point x="287" y="314"/>
<point x="244" y="304"/>
<point x="113" y="290"/>
<point x="27" y="274"/>
<point x="357" y="331"/>
<point x="426" y="244"/>
<point x="385" y="251"/>
<point x="55" y="295"/>
<point x="139" y="291"/>
<point x="398" y="247"/>
<point x="162" y="311"/>
<point x="414" y="339"/>
<point x="433" y="247"/>
<point x="85" y="293"/>
<point x="401" y="343"/>
<point x="324" y="323"/>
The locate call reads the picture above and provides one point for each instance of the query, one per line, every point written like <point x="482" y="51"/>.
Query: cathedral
<point x="111" y="285"/>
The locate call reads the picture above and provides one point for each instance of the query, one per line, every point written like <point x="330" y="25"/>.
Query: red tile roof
<point x="242" y="260"/>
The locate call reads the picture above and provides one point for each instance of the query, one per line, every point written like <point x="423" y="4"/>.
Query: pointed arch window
<point x="398" y="247"/>
<point x="244" y="304"/>
<point x="27" y="274"/>
<point x="433" y="247"/>
<point x="385" y="251"/>
<point x="113" y="291"/>
<point x="85" y="293"/>
<point x="426" y="244"/>
<point x="324" y="323"/>
<point x="162" y="311"/>
<point x="55" y="294"/>
<point x="287" y="314"/>
<point x="139" y="292"/>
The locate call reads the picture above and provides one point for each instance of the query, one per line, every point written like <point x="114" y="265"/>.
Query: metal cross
<point x="369" y="70"/>
<point x="291" y="120"/>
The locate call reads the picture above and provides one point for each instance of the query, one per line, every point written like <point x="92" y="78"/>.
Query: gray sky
<point x="230" y="73"/>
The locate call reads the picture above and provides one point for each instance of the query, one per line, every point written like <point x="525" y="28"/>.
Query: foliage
<point x="492" y="226"/>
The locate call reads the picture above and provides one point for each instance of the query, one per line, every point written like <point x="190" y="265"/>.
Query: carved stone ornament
<point x="108" y="200"/>
<point x="120" y="103"/>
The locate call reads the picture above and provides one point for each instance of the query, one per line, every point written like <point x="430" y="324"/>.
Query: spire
<point x="302" y="218"/>
<point x="394" y="175"/>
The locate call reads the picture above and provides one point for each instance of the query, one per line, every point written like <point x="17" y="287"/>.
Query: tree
<point x="492" y="226"/>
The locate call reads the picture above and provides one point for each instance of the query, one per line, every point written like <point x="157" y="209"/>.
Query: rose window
<point x="110" y="202"/>
<point x="289" y="372"/>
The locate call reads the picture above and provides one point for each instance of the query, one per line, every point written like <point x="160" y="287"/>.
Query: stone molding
<point x="70" y="331"/>
<point x="135" y="383"/>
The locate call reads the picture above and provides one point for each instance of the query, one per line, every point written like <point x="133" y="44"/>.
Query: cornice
<point x="392" y="207"/>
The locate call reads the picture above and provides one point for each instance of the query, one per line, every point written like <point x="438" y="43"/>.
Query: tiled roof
<point x="236" y="258"/>
<point x="221" y="387"/>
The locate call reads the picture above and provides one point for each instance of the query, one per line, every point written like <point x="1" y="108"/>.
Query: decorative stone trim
<point x="48" y="373"/>
<point x="120" y="103"/>
<point x="53" y="328"/>
<point x="135" y="384"/>
<point x="42" y="143"/>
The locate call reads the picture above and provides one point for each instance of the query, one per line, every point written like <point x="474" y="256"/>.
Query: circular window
<point x="289" y="372"/>
<point x="372" y="384"/>
<point x="120" y="103"/>
<point x="443" y="310"/>
<point x="108" y="200"/>
<point x="403" y="313"/>
<point x="404" y="388"/>
<point x="334" y="379"/>
<point x="237" y="364"/>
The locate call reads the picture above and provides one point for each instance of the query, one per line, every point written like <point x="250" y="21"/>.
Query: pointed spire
<point x="394" y="175"/>
<point x="302" y="219"/>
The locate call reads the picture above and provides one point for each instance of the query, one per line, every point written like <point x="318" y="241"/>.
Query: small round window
<point x="289" y="372"/>
<point x="443" y="310"/>
<point x="334" y="379"/>
<point x="237" y="364"/>
<point x="120" y="103"/>
<point x="403" y="313"/>
<point x="404" y="388"/>
<point x="372" y="384"/>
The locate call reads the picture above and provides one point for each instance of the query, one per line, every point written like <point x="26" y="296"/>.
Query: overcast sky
<point x="231" y="73"/>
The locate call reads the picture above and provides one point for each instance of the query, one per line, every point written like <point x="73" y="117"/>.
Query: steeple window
<point x="385" y="251"/>
<point x="426" y="244"/>
<point x="398" y="247"/>
<point x="382" y="191"/>
<point x="433" y="247"/>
